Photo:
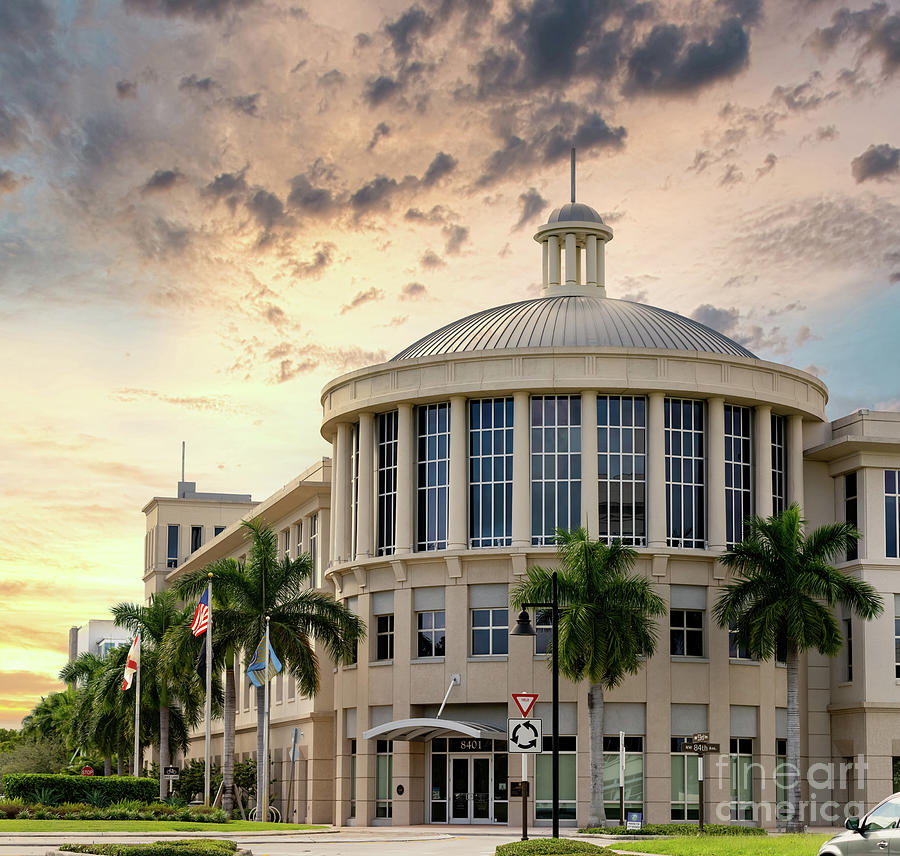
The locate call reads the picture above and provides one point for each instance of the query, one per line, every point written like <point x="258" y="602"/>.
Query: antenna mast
<point x="573" y="174"/>
<point x="182" y="460"/>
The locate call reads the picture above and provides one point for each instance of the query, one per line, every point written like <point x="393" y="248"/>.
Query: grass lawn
<point x="7" y="826"/>
<point x="729" y="845"/>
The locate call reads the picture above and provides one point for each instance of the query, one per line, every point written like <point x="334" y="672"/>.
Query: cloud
<point x="415" y="21"/>
<point x="315" y="267"/>
<point x="879" y="162"/>
<point x="456" y="236"/>
<point x="731" y="176"/>
<point x="162" y="238"/>
<point x="413" y="291"/>
<point x="334" y="77"/>
<point x="437" y="214"/>
<point x="375" y="195"/>
<point x="10" y="182"/>
<point x="162" y="179"/>
<point x="532" y="205"/>
<point x="362" y="298"/>
<point x="266" y="208"/>
<point x="246" y="104"/>
<point x="878" y="32"/>
<point x="443" y="164"/>
<point x="227" y="185"/>
<point x="195" y="84"/>
<point x="293" y="361"/>
<point x="430" y="260"/>
<point x="382" y="129"/>
<point x="310" y="199"/>
<point x="805" y="96"/>
<point x="198" y="403"/>
<point x="126" y="89"/>
<point x="667" y="62"/>
<point x="379" y="89"/>
<point x="768" y="165"/>
<point x="197" y="9"/>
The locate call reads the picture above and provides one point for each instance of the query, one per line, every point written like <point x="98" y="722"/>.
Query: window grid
<point x="354" y="488"/>
<point x="848" y="643"/>
<point x="634" y="775"/>
<point x="384" y="778"/>
<point x="352" y="778"/>
<point x="685" y="473"/>
<point x="782" y="808"/>
<point x="298" y="545"/>
<point x="543" y="630"/>
<point x="543" y="779"/>
<point x="490" y="632"/>
<point x="686" y="632"/>
<point x="851" y="497"/>
<point x="685" y="789"/>
<point x="490" y="472"/>
<point x="892" y="514"/>
<point x="621" y="468"/>
<point x="779" y="464"/>
<point x="432" y="476"/>
<point x="314" y="548"/>
<point x="736" y="651"/>
<point x="738" y="471"/>
<point x="555" y="465"/>
<point x="196" y="538"/>
<point x="384" y="637"/>
<point x="172" y="546"/>
<point x="286" y="542"/>
<point x="741" y="761"/>
<point x="386" y="498"/>
<point x="896" y="640"/>
<point x="432" y="631"/>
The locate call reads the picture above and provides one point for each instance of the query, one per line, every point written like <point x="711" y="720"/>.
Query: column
<point x="341" y="493"/>
<point x="545" y="262"/>
<point x="578" y="264"/>
<point x="601" y="266"/>
<point x="656" y="470"/>
<point x="715" y="470"/>
<point x="521" y="498"/>
<point x="590" y="259"/>
<point x="405" y="483"/>
<point x="365" y="546"/>
<point x="762" y="460"/>
<point x="553" y="252"/>
<point x="571" y="277"/>
<point x="795" y="460"/>
<point x="590" y="514"/>
<point x="457" y="527"/>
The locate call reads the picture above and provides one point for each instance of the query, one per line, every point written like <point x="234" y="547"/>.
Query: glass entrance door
<point x="471" y="789"/>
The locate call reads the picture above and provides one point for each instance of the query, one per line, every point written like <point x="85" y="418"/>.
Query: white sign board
<point x="524" y="735"/>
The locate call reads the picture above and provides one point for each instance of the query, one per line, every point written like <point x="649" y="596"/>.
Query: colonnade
<point x="343" y="552"/>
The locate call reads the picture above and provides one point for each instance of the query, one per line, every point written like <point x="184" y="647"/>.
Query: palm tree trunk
<point x="163" y="747"/>
<point x="261" y="783"/>
<point x="120" y="758"/>
<point x="228" y="739"/>
<point x="595" y="709"/>
<point x="793" y="741"/>
<point x="107" y="765"/>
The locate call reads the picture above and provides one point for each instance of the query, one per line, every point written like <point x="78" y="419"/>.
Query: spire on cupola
<point x="574" y="233"/>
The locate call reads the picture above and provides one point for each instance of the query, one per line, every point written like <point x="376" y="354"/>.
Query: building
<point x="99" y="636"/>
<point x="452" y="465"/>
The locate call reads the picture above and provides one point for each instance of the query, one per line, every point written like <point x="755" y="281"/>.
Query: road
<point x="418" y="841"/>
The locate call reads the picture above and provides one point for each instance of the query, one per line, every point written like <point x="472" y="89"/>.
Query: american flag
<point x="201" y="616"/>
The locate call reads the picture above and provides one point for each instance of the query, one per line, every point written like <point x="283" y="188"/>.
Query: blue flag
<point x="256" y="673"/>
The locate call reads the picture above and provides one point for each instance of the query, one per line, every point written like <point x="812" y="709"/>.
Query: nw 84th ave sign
<point x="524" y="735"/>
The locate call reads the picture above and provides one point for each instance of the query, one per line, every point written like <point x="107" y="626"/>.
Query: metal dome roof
<point x="571" y="321"/>
<point x="577" y="211"/>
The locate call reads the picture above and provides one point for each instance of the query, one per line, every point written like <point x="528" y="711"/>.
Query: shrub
<point x="89" y="789"/>
<point x="680" y="829"/>
<point x="11" y="808"/>
<point x="190" y="847"/>
<point x="122" y="810"/>
<point x="550" y="847"/>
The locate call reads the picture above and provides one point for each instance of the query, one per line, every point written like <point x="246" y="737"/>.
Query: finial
<point x="573" y="175"/>
<point x="210" y="575"/>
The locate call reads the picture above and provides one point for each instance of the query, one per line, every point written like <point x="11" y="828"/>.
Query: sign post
<point x="621" y="776"/>
<point x="700" y="746"/>
<point x="524" y="736"/>
<point x="87" y="770"/>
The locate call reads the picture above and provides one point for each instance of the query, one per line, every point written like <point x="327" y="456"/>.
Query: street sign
<point x="170" y="772"/>
<point x="518" y="789"/>
<point x="700" y="748"/>
<point x="701" y="737"/>
<point x="87" y="770"/>
<point x="524" y="735"/>
<point x="525" y="701"/>
<point x="635" y="820"/>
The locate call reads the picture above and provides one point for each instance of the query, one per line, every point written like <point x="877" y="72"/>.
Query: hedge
<point x="188" y="847"/>
<point x="679" y="829"/>
<point x="122" y="810"/>
<point x="56" y="788"/>
<point x="550" y="847"/>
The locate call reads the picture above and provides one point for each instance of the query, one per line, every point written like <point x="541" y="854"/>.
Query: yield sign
<point x="525" y="701"/>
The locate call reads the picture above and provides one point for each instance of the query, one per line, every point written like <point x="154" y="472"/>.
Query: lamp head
<point x="523" y="625"/>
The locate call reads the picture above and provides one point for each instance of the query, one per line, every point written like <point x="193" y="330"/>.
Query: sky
<point x="210" y="208"/>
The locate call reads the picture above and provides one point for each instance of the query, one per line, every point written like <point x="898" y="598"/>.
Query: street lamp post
<point x="524" y="628"/>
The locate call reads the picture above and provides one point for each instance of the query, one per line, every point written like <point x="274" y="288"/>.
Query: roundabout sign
<point x="524" y="735"/>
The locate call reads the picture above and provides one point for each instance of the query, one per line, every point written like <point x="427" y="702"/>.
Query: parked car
<point x="874" y="834"/>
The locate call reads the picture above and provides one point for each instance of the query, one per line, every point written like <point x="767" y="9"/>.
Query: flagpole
<point x="209" y="661"/>
<point x="264" y="797"/>
<point x="137" y="711"/>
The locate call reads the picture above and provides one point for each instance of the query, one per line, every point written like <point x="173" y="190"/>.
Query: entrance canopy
<point x="427" y="729"/>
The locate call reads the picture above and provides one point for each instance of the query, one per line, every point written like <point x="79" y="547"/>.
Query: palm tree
<point x="53" y="718"/>
<point x="606" y="625"/>
<point x="170" y="681"/>
<point x="244" y="593"/>
<point x="782" y="599"/>
<point x="93" y="723"/>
